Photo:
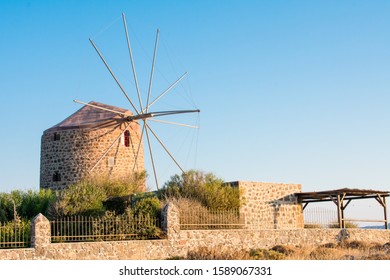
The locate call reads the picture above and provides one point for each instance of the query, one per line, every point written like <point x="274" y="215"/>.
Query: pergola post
<point x="385" y="210"/>
<point x="382" y="201"/>
<point x="339" y="212"/>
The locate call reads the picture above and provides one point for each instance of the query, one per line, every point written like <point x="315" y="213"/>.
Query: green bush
<point x="15" y="232"/>
<point x="89" y="197"/>
<point x="6" y="208"/>
<point x="82" y="198"/>
<point x="24" y="204"/>
<point x="120" y="187"/>
<point x="147" y="206"/>
<point x="35" y="202"/>
<point x="206" y="188"/>
<point x="118" y="191"/>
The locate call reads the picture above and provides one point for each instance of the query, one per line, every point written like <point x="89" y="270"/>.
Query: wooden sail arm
<point x="159" y="114"/>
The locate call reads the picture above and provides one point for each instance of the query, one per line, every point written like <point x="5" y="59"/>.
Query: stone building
<point x="270" y="205"/>
<point x="91" y="142"/>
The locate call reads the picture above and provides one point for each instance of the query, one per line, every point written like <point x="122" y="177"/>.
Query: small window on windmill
<point x="56" y="176"/>
<point x="111" y="161"/>
<point x="56" y="136"/>
<point x="122" y="139"/>
<point x="126" y="138"/>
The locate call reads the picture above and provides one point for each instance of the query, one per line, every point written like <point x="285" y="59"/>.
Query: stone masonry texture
<point x="178" y="243"/>
<point x="78" y="150"/>
<point x="270" y="205"/>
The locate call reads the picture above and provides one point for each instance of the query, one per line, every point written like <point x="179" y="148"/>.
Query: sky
<point x="289" y="91"/>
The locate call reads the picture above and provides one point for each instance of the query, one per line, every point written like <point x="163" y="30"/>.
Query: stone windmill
<point x="101" y="139"/>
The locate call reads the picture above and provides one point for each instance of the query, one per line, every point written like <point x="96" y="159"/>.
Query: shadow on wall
<point x="284" y="216"/>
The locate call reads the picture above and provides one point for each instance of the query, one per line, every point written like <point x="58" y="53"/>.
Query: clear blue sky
<point x="289" y="91"/>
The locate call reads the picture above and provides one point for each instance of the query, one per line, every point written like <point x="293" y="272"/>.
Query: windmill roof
<point x="89" y="116"/>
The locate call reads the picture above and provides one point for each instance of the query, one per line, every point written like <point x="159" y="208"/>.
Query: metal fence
<point x="231" y="219"/>
<point x="82" y="229"/>
<point x="211" y="219"/>
<point x="320" y="217"/>
<point x="15" y="235"/>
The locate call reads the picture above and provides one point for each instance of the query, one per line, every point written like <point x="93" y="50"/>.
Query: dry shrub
<point x="187" y="208"/>
<point x="284" y="249"/>
<point x="351" y="250"/>
<point x="193" y="215"/>
<point x="82" y="198"/>
<point x="385" y="248"/>
<point x="264" y="254"/>
<point x="120" y="186"/>
<point x="206" y="188"/>
<point x="355" y="244"/>
<point x="87" y="197"/>
<point x="313" y="226"/>
<point x="186" y="204"/>
<point x="379" y="256"/>
<point x="329" y="245"/>
<point x="329" y="251"/>
<point x="218" y="253"/>
<point x="321" y="253"/>
<point x="346" y="225"/>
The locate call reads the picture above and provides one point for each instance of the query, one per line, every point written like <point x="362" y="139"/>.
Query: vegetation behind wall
<point x="205" y="188"/>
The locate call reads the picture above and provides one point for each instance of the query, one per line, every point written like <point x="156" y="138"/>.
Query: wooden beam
<point x="346" y="204"/>
<point x="385" y="213"/>
<point x="339" y="214"/>
<point x="382" y="202"/>
<point x="364" y="220"/>
<point x="331" y="198"/>
<point x="379" y="199"/>
<point x="342" y="207"/>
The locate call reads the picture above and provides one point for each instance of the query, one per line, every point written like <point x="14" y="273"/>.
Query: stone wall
<point x="270" y="205"/>
<point x="178" y="243"/>
<point x="76" y="151"/>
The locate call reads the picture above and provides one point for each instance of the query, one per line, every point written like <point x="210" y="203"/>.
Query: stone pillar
<point x="40" y="232"/>
<point x="170" y="220"/>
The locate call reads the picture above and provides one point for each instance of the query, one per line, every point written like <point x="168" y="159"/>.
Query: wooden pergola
<point x="342" y="197"/>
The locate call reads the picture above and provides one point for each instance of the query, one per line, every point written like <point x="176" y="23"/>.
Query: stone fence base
<point x="180" y="242"/>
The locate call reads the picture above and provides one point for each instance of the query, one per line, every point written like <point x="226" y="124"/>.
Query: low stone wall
<point x="247" y="239"/>
<point x="178" y="242"/>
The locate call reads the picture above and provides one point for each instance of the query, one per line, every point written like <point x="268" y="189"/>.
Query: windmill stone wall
<point x="90" y="139"/>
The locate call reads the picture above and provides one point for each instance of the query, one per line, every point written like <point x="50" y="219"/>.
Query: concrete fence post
<point x="40" y="232"/>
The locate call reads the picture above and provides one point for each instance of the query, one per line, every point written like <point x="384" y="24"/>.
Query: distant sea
<point x="376" y="227"/>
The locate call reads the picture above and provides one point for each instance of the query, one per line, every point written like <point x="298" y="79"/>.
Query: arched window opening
<point x="56" y="136"/>
<point x="56" y="176"/>
<point x="126" y="138"/>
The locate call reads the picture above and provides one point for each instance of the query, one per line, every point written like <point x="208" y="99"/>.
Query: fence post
<point x="170" y="220"/>
<point x="40" y="232"/>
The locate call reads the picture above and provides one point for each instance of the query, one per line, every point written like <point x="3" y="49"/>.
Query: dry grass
<point x="183" y="204"/>
<point x="218" y="254"/>
<point x="352" y="250"/>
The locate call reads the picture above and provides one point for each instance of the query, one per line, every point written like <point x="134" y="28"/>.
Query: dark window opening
<point x="56" y="176"/>
<point x="127" y="138"/>
<point x="56" y="136"/>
